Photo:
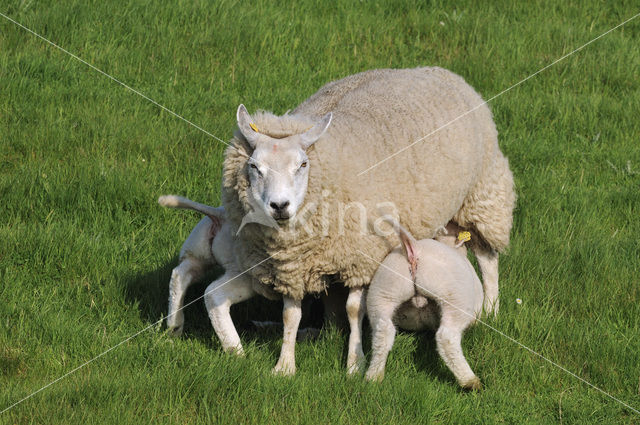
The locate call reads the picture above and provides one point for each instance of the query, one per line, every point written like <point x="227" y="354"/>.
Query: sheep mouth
<point x="281" y="218"/>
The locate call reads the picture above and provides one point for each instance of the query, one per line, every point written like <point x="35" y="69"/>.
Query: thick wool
<point x="456" y="172"/>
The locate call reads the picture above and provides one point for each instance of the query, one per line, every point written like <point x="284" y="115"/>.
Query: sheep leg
<point x="356" y="308"/>
<point x="448" y="341"/>
<point x="385" y="295"/>
<point x="219" y="297"/>
<point x="384" y="334"/>
<point x="181" y="278"/>
<point x="488" y="262"/>
<point x="291" y="314"/>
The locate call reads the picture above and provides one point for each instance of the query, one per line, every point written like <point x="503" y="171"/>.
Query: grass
<point x="86" y="253"/>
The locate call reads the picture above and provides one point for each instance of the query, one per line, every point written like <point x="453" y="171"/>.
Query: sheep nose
<point x="279" y="206"/>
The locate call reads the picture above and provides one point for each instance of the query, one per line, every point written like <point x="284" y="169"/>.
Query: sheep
<point x="196" y="257"/>
<point x="440" y="273"/>
<point x="314" y="171"/>
<point x="210" y="243"/>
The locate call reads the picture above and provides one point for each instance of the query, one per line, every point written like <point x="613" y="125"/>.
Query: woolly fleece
<point x="456" y="173"/>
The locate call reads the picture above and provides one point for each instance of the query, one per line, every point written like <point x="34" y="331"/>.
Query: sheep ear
<point x="310" y="136"/>
<point x="245" y="126"/>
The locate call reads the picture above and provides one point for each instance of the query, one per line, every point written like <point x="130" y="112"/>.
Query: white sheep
<point x="210" y="243"/>
<point x="311" y="171"/>
<point x="196" y="256"/>
<point x="443" y="275"/>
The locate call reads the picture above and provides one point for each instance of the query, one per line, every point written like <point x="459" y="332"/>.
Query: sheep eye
<point x="304" y="164"/>
<point x="255" y="167"/>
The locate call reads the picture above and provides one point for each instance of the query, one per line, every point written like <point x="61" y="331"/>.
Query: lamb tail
<point x="410" y="245"/>
<point x="175" y="201"/>
<point x="402" y="231"/>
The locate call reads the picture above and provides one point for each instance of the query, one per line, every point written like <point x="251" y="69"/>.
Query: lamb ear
<point x="310" y="136"/>
<point x="244" y="124"/>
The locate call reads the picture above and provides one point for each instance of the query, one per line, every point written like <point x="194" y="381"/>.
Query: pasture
<point x="86" y="253"/>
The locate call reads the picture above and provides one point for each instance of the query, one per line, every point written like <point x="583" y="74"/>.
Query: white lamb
<point x="441" y="273"/>
<point x="210" y="243"/>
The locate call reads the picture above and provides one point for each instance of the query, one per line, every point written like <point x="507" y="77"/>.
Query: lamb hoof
<point x="238" y="351"/>
<point x="491" y="307"/>
<point x="374" y="375"/>
<point x="473" y="385"/>
<point x="356" y="367"/>
<point x="175" y="331"/>
<point x="284" y="370"/>
<point x="353" y="370"/>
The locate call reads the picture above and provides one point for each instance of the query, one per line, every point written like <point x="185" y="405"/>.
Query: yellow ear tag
<point x="464" y="237"/>
<point x="253" y="126"/>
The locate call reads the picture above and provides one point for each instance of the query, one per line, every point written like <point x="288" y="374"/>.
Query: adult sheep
<point x="316" y="180"/>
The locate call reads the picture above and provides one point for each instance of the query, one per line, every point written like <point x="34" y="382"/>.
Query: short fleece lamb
<point x="442" y="162"/>
<point x="438" y="272"/>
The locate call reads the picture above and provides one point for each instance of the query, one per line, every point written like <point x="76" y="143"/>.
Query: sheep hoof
<point x="175" y="331"/>
<point x="473" y="385"/>
<point x="284" y="370"/>
<point x="238" y="351"/>
<point x="372" y="376"/>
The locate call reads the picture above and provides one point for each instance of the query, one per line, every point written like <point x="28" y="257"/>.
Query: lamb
<point x="438" y="272"/>
<point x="314" y="171"/>
<point x="210" y="243"/>
<point x="196" y="256"/>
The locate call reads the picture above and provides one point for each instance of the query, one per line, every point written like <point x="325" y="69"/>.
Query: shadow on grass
<point x="428" y="360"/>
<point x="149" y="292"/>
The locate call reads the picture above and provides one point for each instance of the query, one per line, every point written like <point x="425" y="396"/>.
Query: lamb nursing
<point x="210" y="243"/>
<point x="444" y="276"/>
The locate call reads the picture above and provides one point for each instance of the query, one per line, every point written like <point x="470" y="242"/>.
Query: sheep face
<point x="279" y="168"/>
<point x="278" y="179"/>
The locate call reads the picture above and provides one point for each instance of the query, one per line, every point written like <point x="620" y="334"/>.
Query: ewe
<point x="306" y="169"/>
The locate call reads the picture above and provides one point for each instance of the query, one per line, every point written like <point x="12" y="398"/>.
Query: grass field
<point x="86" y="253"/>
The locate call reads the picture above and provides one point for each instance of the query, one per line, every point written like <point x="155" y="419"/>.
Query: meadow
<point x="86" y="253"/>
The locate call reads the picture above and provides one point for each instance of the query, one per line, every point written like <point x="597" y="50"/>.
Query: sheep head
<point x="279" y="168"/>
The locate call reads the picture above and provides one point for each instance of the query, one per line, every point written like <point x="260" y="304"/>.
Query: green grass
<point x="86" y="253"/>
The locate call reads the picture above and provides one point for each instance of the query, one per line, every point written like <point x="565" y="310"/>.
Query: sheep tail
<point x="402" y="232"/>
<point x="409" y="245"/>
<point x="175" y="201"/>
